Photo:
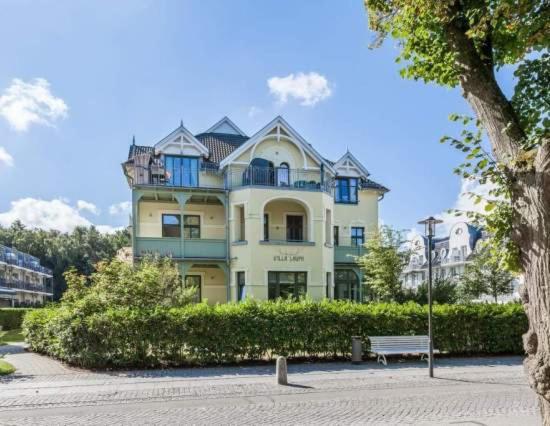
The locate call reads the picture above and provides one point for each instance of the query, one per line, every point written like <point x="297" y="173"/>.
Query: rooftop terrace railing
<point x="14" y="257"/>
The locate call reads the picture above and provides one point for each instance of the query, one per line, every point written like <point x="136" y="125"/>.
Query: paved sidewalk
<point x="488" y="391"/>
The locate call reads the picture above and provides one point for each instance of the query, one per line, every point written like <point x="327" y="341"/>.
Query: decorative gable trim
<point x="279" y="128"/>
<point x="225" y="122"/>
<point x="182" y="138"/>
<point x="348" y="165"/>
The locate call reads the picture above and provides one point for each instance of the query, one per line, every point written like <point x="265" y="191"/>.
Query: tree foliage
<point x="81" y="249"/>
<point x="383" y="263"/>
<point x="153" y="282"/>
<point x="443" y="291"/>
<point x="485" y="276"/>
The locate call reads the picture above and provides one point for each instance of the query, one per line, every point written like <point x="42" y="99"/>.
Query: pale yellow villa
<point x="261" y="216"/>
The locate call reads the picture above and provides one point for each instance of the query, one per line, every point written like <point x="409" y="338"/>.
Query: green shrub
<point x="12" y="318"/>
<point x="202" y="334"/>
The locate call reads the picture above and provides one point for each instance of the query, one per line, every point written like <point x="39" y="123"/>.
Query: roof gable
<point x="181" y="141"/>
<point x="225" y="125"/>
<point x="278" y="128"/>
<point x="348" y="165"/>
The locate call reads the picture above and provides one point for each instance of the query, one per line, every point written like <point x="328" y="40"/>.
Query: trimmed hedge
<point x="12" y="318"/>
<point x="202" y="334"/>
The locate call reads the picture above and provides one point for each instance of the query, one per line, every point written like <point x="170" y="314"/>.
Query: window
<point x="182" y="171"/>
<point x="240" y="285"/>
<point x="283" y="175"/>
<point x="346" y="285"/>
<point x="191" y="226"/>
<point x="194" y="281"/>
<point x="463" y="252"/>
<point x="294" y="228"/>
<point x="329" y="283"/>
<point x="346" y="190"/>
<point x="357" y="236"/>
<point x="286" y="284"/>
<point x="336" y="236"/>
<point x="266" y="227"/>
<point x="171" y="225"/>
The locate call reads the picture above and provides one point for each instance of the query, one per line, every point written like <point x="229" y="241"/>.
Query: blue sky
<point x="138" y="67"/>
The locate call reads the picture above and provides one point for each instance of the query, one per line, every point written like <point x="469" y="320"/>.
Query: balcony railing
<point x="14" y="257"/>
<point x="173" y="247"/>
<point x="24" y="285"/>
<point x="278" y="177"/>
<point x="348" y="249"/>
<point x="208" y="176"/>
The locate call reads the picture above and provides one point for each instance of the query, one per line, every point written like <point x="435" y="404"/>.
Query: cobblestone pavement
<point x="488" y="391"/>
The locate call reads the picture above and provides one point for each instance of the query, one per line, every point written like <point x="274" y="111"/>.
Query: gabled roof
<point x="223" y="125"/>
<point x="370" y="184"/>
<point x="220" y="145"/>
<point x="350" y="158"/>
<point x="277" y="121"/>
<point x="181" y="130"/>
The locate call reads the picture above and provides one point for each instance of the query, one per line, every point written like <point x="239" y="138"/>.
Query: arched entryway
<point x="286" y="219"/>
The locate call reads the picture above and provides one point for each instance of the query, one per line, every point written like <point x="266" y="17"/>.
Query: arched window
<point x="283" y="175"/>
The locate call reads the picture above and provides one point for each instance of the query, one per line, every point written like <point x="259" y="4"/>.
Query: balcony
<point x="209" y="177"/>
<point x="181" y="249"/>
<point x="25" y="286"/>
<point x="278" y="178"/>
<point x="347" y="254"/>
<point x="14" y="257"/>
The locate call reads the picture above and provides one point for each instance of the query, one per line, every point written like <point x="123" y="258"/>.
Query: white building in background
<point x="23" y="281"/>
<point x="450" y="256"/>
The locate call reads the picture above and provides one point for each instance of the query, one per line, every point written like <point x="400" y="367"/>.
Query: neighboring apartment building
<point x="450" y="254"/>
<point x="23" y="281"/>
<point x="261" y="216"/>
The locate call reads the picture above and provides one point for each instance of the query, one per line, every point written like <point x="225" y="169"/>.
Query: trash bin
<point x="356" y="350"/>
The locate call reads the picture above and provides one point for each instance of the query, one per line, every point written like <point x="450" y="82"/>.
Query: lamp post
<point x="429" y="225"/>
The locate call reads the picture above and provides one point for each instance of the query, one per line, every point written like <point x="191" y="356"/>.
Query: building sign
<point x="290" y="257"/>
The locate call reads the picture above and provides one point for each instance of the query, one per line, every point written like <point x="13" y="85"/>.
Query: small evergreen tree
<point x="485" y="276"/>
<point x="383" y="263"/>
<point x="443" y="291"/>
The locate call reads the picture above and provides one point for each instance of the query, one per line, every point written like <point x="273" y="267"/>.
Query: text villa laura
<point x="288" y="257"/>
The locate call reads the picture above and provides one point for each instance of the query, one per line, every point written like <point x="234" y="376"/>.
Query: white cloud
<point x="108" y="229"/>
<point x="465" y="203"/>
<point x="54" y="214"/>
<point x="254" y="111"/>
<point x="5" y="158"/>
<point x="124" y="207"/>
<point x="85" y="205"/>
<point x="25" y="103"/>
<point x="308" y="89"/>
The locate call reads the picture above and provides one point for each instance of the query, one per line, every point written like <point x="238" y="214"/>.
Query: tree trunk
<point x="530" y="202"/>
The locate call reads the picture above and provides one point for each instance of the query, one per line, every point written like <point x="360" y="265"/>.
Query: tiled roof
<point x="368" y="183"/>
<point x="139" y="149"/>
<point x="220" y="145"/>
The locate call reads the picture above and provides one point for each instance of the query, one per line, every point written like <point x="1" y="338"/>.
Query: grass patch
<point x="6" y="368"/>
<point x="11" y="336"/>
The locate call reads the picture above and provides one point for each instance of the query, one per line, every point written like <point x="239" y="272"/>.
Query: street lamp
<point x="429" y="225"/>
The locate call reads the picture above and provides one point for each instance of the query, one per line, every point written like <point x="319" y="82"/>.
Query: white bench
<point x="399" y="345"/>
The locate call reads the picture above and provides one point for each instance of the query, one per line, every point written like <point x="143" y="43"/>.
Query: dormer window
<point x="346" y="190"/>
<point x="181" y="171"/>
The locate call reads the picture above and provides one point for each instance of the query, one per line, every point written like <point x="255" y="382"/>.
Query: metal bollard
<point x="281" y="371"/>
<point x="356" y="350"/>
